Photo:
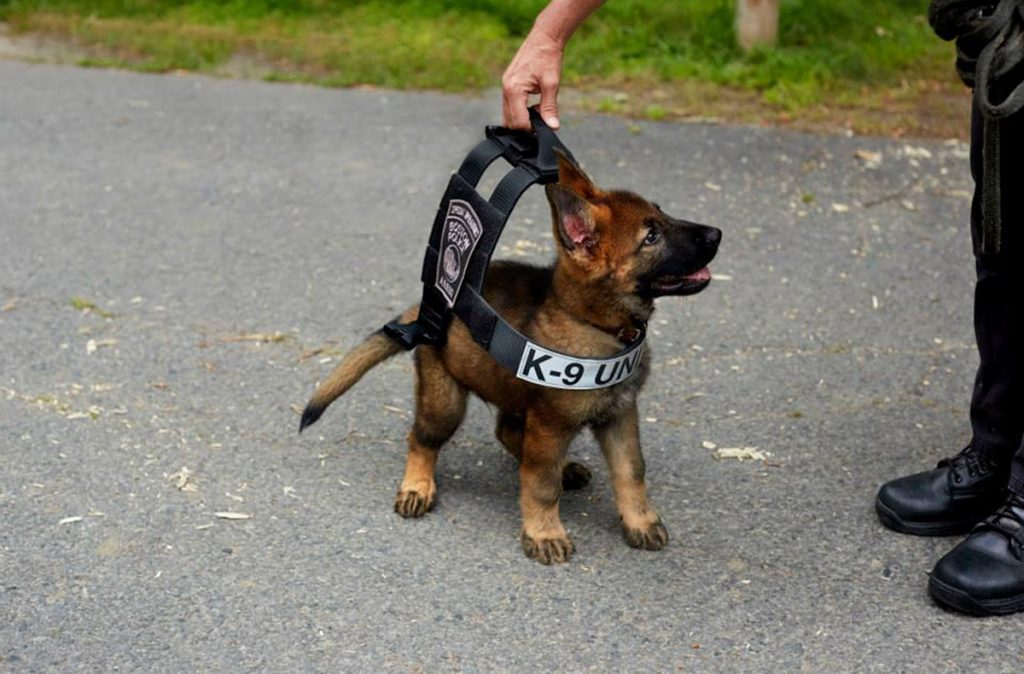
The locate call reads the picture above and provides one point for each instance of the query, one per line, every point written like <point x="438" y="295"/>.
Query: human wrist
<point x="549" y="34"/>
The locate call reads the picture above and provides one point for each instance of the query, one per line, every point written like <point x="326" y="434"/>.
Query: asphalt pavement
<point x="183" y="258"/>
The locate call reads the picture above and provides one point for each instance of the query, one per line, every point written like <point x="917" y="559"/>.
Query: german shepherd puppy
<point x="617" y="252"/>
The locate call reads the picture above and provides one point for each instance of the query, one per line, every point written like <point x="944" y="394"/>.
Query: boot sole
<point x="957" y="599"/>
<point x="893" y="521"/>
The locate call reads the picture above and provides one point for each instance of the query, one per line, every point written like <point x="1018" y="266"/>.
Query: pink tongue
<point x="699" y="275"/>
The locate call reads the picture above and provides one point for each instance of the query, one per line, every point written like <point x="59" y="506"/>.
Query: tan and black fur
<point x="617" y="252"/>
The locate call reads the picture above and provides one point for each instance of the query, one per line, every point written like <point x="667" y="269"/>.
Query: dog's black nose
<point x="710" y="236"/>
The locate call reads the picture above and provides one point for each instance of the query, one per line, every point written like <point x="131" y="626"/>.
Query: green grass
<point x="828" y="50"/>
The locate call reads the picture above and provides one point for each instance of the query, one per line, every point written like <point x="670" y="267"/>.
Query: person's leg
<point x="968" y="487"/>
<point x="997" y="404"/>
<point x="984" y="574"/>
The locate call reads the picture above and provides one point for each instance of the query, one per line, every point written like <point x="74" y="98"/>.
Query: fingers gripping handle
<point x="535" y="150"/>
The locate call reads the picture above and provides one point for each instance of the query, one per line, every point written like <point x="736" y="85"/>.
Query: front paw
<point x="555" y="550"/>
<point x="413" y="502"/>
<point x="652" y="537"/>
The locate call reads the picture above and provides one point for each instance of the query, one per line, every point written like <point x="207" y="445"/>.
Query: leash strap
<point x="463" y="239"/>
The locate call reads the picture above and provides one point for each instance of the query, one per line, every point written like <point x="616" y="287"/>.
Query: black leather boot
<point x="960" y="492"/>
<point x="984" y="575"/>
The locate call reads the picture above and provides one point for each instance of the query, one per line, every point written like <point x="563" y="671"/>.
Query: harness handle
<point x="534" y="149"/>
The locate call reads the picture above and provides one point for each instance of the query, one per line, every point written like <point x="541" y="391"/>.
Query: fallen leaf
<point x="182" y="480"/>
<point x="306" y="355"/>
<point x="868" y="156"/>
<point x="259" y="337"/>
<point x="740" y="453"/>
<point x="917" y="152"/>
<point x="232" y="516"/>
<point x="93" y="344"/>
<point x="87" y="306"/>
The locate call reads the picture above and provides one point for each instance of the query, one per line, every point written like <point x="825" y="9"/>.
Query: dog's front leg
<point x="544" y="538"/>
<point x="620" y="444"/>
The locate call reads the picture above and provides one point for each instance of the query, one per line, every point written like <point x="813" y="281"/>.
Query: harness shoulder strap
<point x="464" y="237"/>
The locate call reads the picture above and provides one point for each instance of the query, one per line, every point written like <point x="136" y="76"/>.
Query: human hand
<point x="536" y="69"/>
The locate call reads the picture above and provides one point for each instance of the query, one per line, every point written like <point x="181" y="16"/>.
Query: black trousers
<point x="997" y="404"/>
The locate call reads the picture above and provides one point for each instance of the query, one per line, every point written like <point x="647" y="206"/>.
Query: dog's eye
<point x="653" y="236"/>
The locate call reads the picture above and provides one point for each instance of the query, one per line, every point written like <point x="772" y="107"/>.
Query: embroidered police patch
<point x="462" y="231"/>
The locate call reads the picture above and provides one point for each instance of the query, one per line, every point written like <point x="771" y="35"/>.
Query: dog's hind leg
<point x="620" y="444"/>
<point x="509" y="431"/>
<point x="440" y="408"/>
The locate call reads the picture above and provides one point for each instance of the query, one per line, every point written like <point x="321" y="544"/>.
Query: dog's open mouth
<point x="682" y="284"/>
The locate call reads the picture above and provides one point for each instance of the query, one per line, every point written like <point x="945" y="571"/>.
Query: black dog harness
<point x="462" y="241"/>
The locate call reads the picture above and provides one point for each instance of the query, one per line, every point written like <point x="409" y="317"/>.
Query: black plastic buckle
<point x="430" y="327"/>
<point x="408" y="335"/>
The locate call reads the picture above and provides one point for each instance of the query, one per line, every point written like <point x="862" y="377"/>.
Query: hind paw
<point x="575" y="476"/>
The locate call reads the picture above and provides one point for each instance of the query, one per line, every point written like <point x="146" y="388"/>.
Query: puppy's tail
<point x="373" y="351"/>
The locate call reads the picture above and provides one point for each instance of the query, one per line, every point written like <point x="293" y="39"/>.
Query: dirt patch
<point x="37" y="48"/>
<point x="921" y="109"/>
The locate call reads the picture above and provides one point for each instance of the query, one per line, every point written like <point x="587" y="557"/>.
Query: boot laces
<point x="969" y="459"/>
<point x="1009" y="521"/>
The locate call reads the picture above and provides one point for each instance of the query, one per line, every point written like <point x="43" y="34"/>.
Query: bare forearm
<point x="560" y="19"/>
<point x="537" y="66"/>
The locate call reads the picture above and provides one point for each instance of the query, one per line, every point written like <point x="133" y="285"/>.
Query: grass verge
<point x="869" y="65"/>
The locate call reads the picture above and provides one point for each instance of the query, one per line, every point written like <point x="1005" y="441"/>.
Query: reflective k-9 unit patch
<point x="556" y="370"/>
<point x="462" y="230"/>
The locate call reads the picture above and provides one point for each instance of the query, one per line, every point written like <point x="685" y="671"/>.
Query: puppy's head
<point x="624" y="243"/>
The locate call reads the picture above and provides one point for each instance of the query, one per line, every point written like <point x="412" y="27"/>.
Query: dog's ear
<point x="573" y="177"/>
<point x="574" y="219"/>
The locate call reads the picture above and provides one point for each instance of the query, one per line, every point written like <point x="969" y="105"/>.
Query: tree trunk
<point x="757" y="22"/>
